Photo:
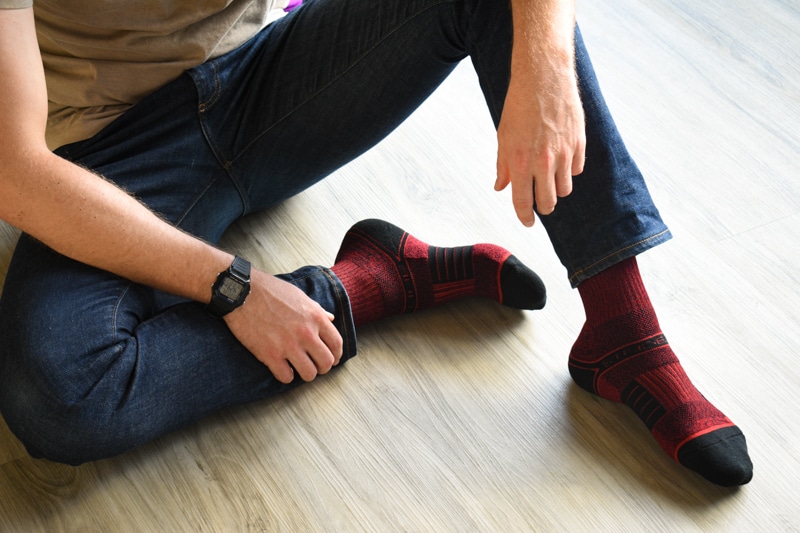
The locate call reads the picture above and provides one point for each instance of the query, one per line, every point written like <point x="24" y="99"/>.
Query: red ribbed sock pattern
<point x="622" y="355"/>
<point x="386" y="271"/>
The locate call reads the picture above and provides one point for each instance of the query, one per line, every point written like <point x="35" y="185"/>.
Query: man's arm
<point x="87" y="218"/>
<point x="541" y="136"/>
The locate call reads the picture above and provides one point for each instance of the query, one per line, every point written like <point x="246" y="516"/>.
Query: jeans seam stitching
<point x="616" y="252"/>
<point x="115" y="312"/>
<point x="224" y="163"/>
<point x="197" y="199"/>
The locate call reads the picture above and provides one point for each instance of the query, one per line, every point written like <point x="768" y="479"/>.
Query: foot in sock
<point x="386" y="271"/>
<point x="622" y="355"/>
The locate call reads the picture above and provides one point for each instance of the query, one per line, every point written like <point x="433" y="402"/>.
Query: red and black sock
<point x="387" y="271"/>
<point x="622" y="355"/>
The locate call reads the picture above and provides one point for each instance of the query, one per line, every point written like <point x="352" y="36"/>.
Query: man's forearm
<point x="543" y="36"/>
<point x="70" y="209"/>
<point x="92" y="221"/>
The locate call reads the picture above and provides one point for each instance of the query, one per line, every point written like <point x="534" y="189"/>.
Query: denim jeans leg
<point x="91" y="364"/>
<point x="314" y="104"/>
<point x="610" y="214"/>
<point x="320" y="87"/>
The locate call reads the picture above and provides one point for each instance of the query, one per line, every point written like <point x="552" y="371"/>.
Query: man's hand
<point x="541" y="137"/>
<point x="286" y="330"/>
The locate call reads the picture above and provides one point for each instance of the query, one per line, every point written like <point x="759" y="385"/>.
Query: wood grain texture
<point x="464" y="418"/>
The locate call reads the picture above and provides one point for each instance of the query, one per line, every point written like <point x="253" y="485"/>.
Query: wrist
<point x="231" y="288"/>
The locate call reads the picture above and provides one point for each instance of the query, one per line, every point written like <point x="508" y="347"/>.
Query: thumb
<point x="503" y="178"/>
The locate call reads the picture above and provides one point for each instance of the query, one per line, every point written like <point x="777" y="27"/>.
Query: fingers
<point x="286" y="330"/>
<point x="308" y="365"/>
<point x="579" y="156"/>
<point x="541" y="140"/>
<point x="545" y="190"/>
<point x="282" y="371"/>
<point x="503" y="179"/>
<point x="323" y="348"/>
<point x="316" y="351"/>
<point x="333" y="341"/>
<point x="522" y="199"/>
<point x="521" y="191"/>
<point x="539" y="187"/>
<point x="563" y="177"/>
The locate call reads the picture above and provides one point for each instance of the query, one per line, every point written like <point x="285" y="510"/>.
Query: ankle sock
<point x="387" y="271"/>
<point x="622" y="355"/>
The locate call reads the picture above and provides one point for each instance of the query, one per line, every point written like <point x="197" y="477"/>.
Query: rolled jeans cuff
<point x="630" y="250"/>
<point x="322" y="286"/>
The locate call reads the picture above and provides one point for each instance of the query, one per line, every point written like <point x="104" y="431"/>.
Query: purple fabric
<point x="292" y="5"/>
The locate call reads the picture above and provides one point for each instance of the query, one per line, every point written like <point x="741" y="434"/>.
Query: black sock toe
<point x="521" y="287"/>
<point x="720" y="456"/>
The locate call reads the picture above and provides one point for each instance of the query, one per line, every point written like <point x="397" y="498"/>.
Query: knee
<point x="59" y="415"/>
<point x="73" y="434"/>
<point x="68" y="352"/>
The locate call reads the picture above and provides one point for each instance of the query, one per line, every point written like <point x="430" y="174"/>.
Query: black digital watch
<point x="230" y="289"/>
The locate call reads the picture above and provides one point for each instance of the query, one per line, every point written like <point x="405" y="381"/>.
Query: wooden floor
<point x="464" y="418"/>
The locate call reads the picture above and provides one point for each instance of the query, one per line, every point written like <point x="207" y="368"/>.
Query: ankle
<point x="614" y="292"/>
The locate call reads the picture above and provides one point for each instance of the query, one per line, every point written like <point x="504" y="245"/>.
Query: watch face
<point x="231" y="289"/>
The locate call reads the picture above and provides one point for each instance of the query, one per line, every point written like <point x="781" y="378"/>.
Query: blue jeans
<point x="92" y="365"/>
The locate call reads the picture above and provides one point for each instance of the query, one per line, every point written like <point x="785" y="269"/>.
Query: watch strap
<point x="240" y="267"/>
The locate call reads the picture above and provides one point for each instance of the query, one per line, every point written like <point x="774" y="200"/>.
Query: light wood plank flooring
<point x="464" y="418"/>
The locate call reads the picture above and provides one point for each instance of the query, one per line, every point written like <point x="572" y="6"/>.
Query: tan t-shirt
<point x="103" y="56"/>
